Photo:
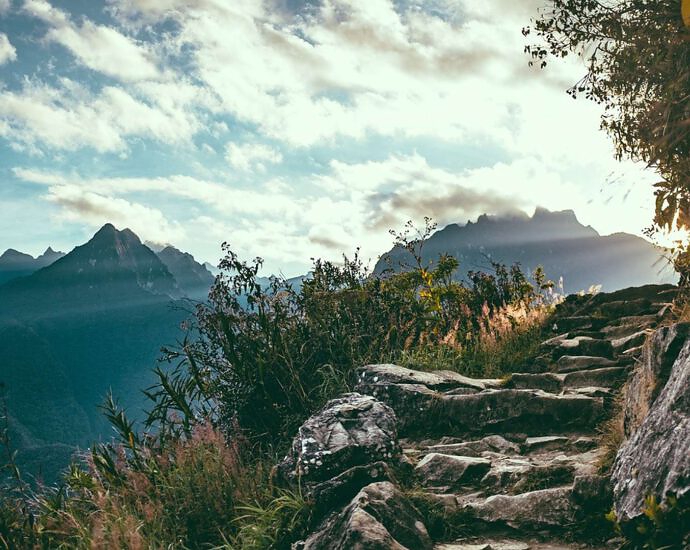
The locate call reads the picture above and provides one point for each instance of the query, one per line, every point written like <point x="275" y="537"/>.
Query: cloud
<point x="98" y="47"/>
<point x="353" y="204"/>
<point x="7" y="51"/>
<point x="250" y="156"/>
<point x="83" y="206"/>
<point x="4" y="6"/>
<point x="68" y="116"/>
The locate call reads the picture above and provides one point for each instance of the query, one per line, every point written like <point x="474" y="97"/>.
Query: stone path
<point x="515" y="461"/>
<point x="435" y="460"/>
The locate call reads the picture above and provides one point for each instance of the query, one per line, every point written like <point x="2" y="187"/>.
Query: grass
<point x="505" y="343"/>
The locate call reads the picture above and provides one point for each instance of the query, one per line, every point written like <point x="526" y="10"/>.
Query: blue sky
<point x="289" y="128"/>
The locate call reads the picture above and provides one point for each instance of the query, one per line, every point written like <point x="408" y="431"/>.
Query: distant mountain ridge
<point x="15" y="264"/>
<point x="557" y="240"/>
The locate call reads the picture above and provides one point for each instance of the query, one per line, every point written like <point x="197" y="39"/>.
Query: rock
<point x="379" y="517"/>
<point x="549" y="382"/>
<point x="545" y="443"/>
<point x="450" y="472"/>
<point x="622" y="308"/>
<point x="352" y="430"/>
<point x="442" y="380"/>
<point x="656" y="458"/>
<point x="576" y="322"/>
<point x="546" y="509"/>
<point x="583" y="345"/>
<point x="651" y="373"/>
<point x="608" y="377"/>
<point x="331" y="493"/>
<point x="571" y="363"/>
<point x="519" y="475"/>
<point x="584" y="444"/>
<point x="592" y="492"/>
<point x="489" y="444"/>
<point x="631" y="341"/>
<point x="421" y="410"/>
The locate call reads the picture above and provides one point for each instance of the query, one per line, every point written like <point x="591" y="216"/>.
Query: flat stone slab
<point x="607" y="377"/>
<point x="547" y="509"/>
<point x="438" y="380"/>
<point x="572" y="363"/>
<point x="545" y="443"/>
<point x="504" y="411"/>
<point x="449" y="472"/>
<point x="631" y="341"/>
<point x="547" y="381"/>
<point x="489" y="444"/>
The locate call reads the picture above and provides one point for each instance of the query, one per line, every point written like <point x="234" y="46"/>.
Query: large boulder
<point x="651" y="373"/>
<point x="352" y="430"/>
<point x="655" y="460"/>
<point x="379" y="517"/>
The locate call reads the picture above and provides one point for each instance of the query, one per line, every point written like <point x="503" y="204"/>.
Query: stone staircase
<point x="512" y="463"/>
<point x="516" y="460"/>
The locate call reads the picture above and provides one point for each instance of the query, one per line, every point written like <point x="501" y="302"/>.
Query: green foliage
<point x="663" y="526"/>
<point x="268" y="357"/>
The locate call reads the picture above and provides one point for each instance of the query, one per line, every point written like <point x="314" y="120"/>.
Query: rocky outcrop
<point x="379" y="517"/>
<point x="655" y="461"/>
<point x="652" y="372"/>
<point x="343" y="447"/>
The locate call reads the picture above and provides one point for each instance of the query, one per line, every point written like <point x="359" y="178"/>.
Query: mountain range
<point x="568" y="250"/>
<point x="73" y="326"/>
<point x="91" y="321"/>
<point x="15" y="264"/>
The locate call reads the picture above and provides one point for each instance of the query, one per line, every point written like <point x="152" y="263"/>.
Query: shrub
<point x="265" y="358"/>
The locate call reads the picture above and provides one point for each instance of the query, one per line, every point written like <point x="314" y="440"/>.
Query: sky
<point x="291" y="129"/>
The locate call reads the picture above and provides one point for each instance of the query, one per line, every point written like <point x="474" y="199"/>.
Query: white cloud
<point x="250" y="156"/>
<point x="83" y="206"/>
<point x="70" y="117"/>
<point x="99" y="47"/>
<point x="4" y="6"/>
<point x="7" y="50"/>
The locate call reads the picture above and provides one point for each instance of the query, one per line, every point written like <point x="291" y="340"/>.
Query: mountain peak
<point x="12" y="255"/>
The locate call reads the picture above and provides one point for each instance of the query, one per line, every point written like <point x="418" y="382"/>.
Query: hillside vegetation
<point x="196" y="474"/>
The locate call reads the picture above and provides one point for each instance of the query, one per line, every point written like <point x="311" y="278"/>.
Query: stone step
<point x="422" y="410"/>
<point x="572" y="363"/>
<point x="489" y="444"/>
<point x="499" y="543"/>
<point x="445" y="473"/>
<point x="607" y="377"/>
<point x="630" y="341"/>
<point x="546" y="381"/>
<point x="576" y="444"/>
<point x="583" y="345"/>
<point x="545" y="510"/>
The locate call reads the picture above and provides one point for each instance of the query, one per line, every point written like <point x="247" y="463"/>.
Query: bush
<point x="266" y="358"/>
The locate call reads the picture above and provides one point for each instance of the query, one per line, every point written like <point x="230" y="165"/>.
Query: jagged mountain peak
<point x="113" y="261"/>
<point x="557" y="240"/>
